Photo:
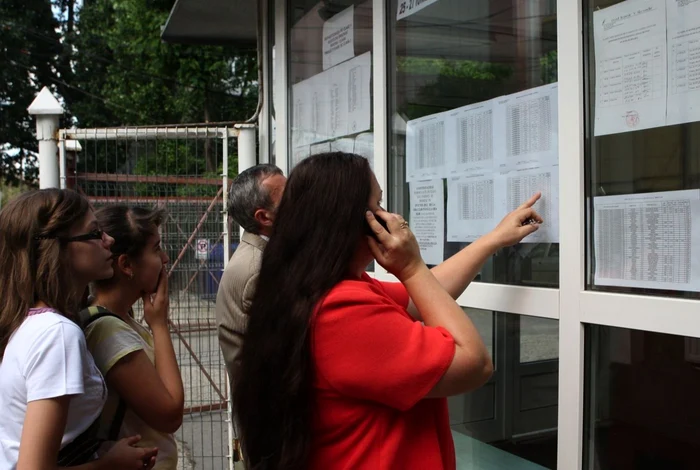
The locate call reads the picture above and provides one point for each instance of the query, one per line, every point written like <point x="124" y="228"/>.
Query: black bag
<point x="82" y="449"/>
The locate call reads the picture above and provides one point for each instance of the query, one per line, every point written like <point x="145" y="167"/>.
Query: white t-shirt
<point x="47" y="358"/>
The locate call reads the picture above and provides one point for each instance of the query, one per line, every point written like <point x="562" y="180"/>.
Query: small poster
<point x="202" y="249"/>
<point x="339" y="38"/>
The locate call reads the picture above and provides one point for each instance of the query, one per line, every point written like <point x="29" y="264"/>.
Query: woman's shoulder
<point x="46" y="322"/>
<point x="355" y="293"/>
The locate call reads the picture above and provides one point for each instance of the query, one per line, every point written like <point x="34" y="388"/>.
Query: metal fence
<point x="185" y="171"/>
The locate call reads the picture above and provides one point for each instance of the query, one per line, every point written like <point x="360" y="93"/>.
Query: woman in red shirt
<point x="339" y="370"/>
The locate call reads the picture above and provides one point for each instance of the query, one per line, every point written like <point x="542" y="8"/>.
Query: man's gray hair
<point x="247" y="195"/>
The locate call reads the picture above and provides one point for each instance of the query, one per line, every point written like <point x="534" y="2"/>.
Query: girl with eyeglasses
<point x="51" y="392"/>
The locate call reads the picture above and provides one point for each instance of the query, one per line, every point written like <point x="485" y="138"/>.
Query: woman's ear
<point x="125" y="266"/>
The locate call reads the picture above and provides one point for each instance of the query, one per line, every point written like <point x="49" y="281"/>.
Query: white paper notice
<point x="630" y="45"/>
<point x="425" y="148"/>
<point x="323" y="147"/>
<point x="648" y="240"/>
<point x="470" y="207"/>
<point x="346" y="144"/>
<point x="515" y="187"/>
<point x="526" y="128"/>
<point x="364" y="146"/>
<point x="409" y="7"/>
<point x="683" y="24"/>
<point x="470" y="138"/>
<point x="339" y="38"/>
<point x="299" y="154"/>
<point x="428" y="219"/>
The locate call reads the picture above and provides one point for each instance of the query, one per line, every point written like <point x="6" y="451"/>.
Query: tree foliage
<point x="106" y="60"/>
<point x="30" y="52"/>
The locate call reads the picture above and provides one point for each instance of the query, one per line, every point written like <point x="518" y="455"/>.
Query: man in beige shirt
<point x="253" y="200"/>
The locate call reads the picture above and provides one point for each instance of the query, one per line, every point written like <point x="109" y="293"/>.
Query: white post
<point x="246" y="150"/>
<point x="246" y="146"/>
<point x="47" y="111"/>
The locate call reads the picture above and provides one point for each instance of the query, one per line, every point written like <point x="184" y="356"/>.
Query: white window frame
<point x="571" y="304"/>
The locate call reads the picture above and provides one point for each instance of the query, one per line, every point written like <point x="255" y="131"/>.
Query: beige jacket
<point x="235" y="296"/>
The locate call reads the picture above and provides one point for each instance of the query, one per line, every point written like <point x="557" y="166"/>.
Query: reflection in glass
<point x="539" y="339"/>
<point x="511" y="421"/>
<point x="641" y="400"/>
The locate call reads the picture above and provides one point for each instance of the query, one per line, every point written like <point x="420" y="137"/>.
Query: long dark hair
<point x="34" y="262"/>
<point x="318" y="229"/>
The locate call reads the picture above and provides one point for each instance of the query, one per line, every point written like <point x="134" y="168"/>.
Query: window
<point x="473" y="108"/>
<point x="643" y="140"/>
<point x="330" y="73"/>
<point x="641" y="404"/>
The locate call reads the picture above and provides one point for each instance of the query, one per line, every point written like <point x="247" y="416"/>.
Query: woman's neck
<point x="115" y="299"/>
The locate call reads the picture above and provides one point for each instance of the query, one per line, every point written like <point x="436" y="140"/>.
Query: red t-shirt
<point x="373" y="367"/>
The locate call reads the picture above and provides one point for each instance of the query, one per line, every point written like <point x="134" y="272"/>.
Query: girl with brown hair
<point x="51" y="392"/>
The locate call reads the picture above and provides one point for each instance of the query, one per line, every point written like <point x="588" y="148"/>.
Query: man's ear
<point x="262" y="217"/>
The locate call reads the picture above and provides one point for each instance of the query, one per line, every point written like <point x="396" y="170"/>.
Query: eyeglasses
<point x="91" y="235"/>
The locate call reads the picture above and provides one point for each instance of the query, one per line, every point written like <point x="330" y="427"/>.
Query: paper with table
<point x="331" y="105"/>
<point x="683" y="19"/>
<point x="428" y="219"/>
<point x="495" y="155"/>
<point x="334" y="103"/>
<point x="630" y="48"/>
<point x="647" y="65"/>
<point x="648" y="240"/>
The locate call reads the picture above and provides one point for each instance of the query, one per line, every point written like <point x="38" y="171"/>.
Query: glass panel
<point x="539" y="339"/>
<point x="483" y="320"/>
<point x="643" y="142"/>
<point x="511" y="422"/>
<point x="641" y="406"/>
<point x="451" y="54"/>
<point x="330" y="73"/>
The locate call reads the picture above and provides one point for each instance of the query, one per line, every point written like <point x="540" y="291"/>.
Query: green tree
<point x="30" y="52"/>
<point x="123" y="74"/>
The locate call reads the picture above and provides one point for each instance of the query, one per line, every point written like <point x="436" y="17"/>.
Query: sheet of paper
<point x="428" y="219"/>
<point x="344" y="144"/>
<point x="301" y="114"/>
<point x="515" y="187"/>
<point x="425" y="148"/>
<point x="322" y="147"/>
<point x="649" y="240"/>
<point x="364" y="146"/>
<point x="357" y="73"/>
<point x="631" y="75"/>
<point x="525" y="129"/>
<point x="470" y="138"/>
<point x="470" y="207"/>
<point x="409" y="7"/>
<point x="334" y="103"/>
<point x="683" y="32"/>
<point x="300" y="153"/>
<point x="339" y="38"/>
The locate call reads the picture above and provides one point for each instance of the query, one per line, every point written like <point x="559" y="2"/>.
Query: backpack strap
<point x="85" y="318"/>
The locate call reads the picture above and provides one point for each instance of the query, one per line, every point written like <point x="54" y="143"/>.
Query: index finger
<point x="531" y="202"/>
